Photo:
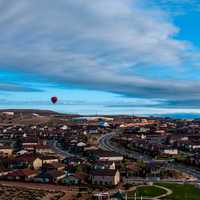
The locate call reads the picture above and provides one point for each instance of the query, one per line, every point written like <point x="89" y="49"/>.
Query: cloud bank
<point x="96" y="44"/>
<point x="17" y="88"/>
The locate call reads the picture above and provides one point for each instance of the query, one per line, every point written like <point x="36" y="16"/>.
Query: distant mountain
<point x="37" y="111"/>
<point x="30" y="111"/>
<point x="179" y="115"/>
<point x="50" y="112"/>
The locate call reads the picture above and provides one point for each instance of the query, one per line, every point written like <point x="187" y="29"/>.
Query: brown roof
<point x="132" y="166"/>
<point x="81" y="176"/>
<point x="5" y="147"/>
<point x="103" y="172"/>
<point x="27" y="158"/>
<point x="22" y="172"/>
<point x="53" y="165"/>
<point x="55" y="173"/>
<point x="30" y="140"/>
<point x="36" y="146"/>
<point x="48" y="157"/>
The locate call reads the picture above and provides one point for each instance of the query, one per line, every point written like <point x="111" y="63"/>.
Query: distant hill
<point x="56" y="114"/>
<point x="30" y="111"/>
<point x="33" y="116"/>
<point x="39" y="112"/>
<point x="179" y="115"/>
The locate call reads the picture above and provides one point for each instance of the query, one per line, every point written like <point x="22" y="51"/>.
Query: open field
<point x="182" y="192"/>
<point x="147" y="191"/>
<point x="68" y="192"/>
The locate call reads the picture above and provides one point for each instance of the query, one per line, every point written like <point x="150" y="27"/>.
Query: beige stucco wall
<point x="7" y="152"/>
<point x="37" y="163"/>
<point x="107" y="180"/>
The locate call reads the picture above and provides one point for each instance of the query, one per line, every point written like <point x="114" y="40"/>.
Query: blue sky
<point x="108" y="56"/>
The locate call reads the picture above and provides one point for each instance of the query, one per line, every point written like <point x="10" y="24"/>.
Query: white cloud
<point x="93" y="43"/>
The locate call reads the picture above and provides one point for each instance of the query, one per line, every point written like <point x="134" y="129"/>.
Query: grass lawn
<point x="148" y="191"/>
<point x="182" y="192"/>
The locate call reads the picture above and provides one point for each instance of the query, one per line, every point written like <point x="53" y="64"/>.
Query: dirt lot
<point x="10" y="190"/>
<point x="20" y="193"/>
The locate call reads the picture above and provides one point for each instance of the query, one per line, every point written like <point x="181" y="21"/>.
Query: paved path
<point x="168" y="192"/>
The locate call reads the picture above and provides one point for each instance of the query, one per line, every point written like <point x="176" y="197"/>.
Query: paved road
<point x="133" y="189"/>
<point x="168" y="192"/>
<point x="187" y="169"/>
<point x="104" y="143"/>
<point x="59" y="151"/>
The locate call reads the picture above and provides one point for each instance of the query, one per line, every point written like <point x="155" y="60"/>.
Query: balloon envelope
<point x="54" y="100"/>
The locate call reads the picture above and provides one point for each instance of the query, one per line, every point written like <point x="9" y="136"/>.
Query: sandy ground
<point x="70" y="191"/>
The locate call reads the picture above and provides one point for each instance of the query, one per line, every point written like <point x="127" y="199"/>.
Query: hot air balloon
<point x="54" y="99"/>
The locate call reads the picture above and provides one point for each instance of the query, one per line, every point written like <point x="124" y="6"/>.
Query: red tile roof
<point x="22" y="172"/>
<point x="27" y="158"/>
<point x="103" y="172"/>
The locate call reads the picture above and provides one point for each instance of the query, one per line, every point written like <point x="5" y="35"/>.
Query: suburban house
<point x="3" y="170"/>
<point x="6" y="151"/>
<point x="77" y="178"/>
<point x="52" y="176"/>
<point x="106" y="156"/>
<point x="21" y="174"/>
<point x="42" y="149"/>
<point x="49" y="159"/>
<point x="105" y="177"/>
<point x="53" y="166"/>
<point x="104" y="165"/>
<point x="170" y="151"/>
<point x="29" y="141"/>
<point x="28" y="160"/>
<point x="72" y="161"/>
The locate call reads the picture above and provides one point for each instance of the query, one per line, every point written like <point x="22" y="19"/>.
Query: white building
<point x="170" y="151"/>
<point x="105" y="177"/>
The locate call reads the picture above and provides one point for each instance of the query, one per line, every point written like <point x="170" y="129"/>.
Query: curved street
<point x="105" y="144"/>
<point x="59" y="151"/>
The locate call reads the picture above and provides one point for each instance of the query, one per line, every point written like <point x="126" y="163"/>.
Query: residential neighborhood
<point x="105" y="153"/>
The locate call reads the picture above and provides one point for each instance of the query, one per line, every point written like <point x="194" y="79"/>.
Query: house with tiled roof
<point x="53" y="166"/>
<point x="105" y="156"/>
<point x="52" y="176"/>
<point x="6" y="150"/>
<point x="28" y="160"/>
<point x="75" y="179"/>
<point x="21" y="174"/>
<point x="50" y="158"/>
<point x="105" y="177"/>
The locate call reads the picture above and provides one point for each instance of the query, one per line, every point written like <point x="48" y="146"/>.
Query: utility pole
<point x="135" y="196"/>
